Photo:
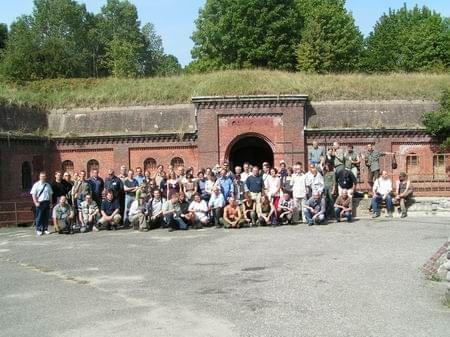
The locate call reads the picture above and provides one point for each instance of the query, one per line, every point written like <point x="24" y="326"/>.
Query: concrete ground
<point x="359" y="279"/>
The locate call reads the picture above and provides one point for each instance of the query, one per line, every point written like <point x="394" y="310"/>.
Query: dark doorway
<point x="251" y="149"/>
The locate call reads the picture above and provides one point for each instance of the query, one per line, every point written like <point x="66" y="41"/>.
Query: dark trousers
<point x="42" y="216"/>
<point x="217" y="214"/>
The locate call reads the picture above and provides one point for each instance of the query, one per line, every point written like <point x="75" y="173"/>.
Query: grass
<point x="68" y="93"/>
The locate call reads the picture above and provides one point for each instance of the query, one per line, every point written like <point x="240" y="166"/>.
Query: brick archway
<point x="250" y="147"/>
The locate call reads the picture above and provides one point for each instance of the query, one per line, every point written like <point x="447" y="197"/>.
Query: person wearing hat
<point x="137" y="213"/>
<point x="403" y="192"/>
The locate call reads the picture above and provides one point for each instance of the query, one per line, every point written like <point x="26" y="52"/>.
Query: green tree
<point x="49" y="43"/>
<point x="246" y="33"/>
<point x="153" y="51"/>
<point x="438" y="122"/>
<point x="330" y="42"/>
<point x="415" y="39"/>
<point x="169" y="66"/>
<point x="3" y="35"/>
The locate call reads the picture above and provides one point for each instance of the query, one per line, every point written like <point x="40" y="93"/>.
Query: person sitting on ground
<point x="215" y="205"/>
<point x="137" y="213"/>
<point x="285" y="209"/>
<point x="343" y="207"/>
<point x="63" y="216"/>
<point x="249" y="208"/>
<point x="403" y="192"/>
<point x="314" y="209"/>
<point x="110" y="213"/>
<point x="266" y="212"/>
<point x="382" y="189"/>
<point x="199" y="212"/>
<point x="173" y="217"/>
<point x="154" y="210"/>
<point x="232" y="215"/>
<point x="89" y="214"/>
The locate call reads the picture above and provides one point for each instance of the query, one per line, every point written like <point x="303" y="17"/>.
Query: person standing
<point x="216" y="204"/>
<point x="329" y="191"/>
<point x="97" y="186"/>
<point x="245" y="172"/>
<point x="299" y="191"/>
<point x="139" y="177"/>
<point x="130" y="185"/>
<point x="372" y="161"/>
<point x="255" y="185"/>
<point x="60" y="187"/>
<point x="42" y="193"/>
<point x="352" y="161"/>
<point x="314" y="181"/>
<point x="239" y="189"/>
<point x="226" y="184"/>
<point x="273" y="186"/>
<point x="337" y="157"/>
<point x="316" y="154"/>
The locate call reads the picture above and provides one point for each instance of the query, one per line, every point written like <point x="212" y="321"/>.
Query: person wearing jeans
<point x="314" y="209"/>
<point x="343" y="207"/>
<point x="382" y="189"/>
<point x="42" y="194"/>
<point x="173" y="216"/>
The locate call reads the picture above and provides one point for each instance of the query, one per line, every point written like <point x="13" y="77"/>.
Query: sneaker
<point x="94" y="229"/>
<point x="376" y="215"/>
<point x="46" y="232"/>
<point x="38" y="233"/>
<point x="311" y="223"/>
<point x="389" y="215"/>
<point x="404" y="215"/>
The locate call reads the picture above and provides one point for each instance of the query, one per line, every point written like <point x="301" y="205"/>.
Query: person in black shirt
<point x="110" y="213"/>
<point x="114" y="184"/>
<point x="97" y="186"/>
<point x="60" y="187"/>
<point x="346" y="181"/>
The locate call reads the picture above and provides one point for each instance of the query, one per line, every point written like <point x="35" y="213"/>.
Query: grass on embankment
<point x="66" y="93"/>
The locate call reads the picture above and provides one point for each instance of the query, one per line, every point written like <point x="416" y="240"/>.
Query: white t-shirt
<point x="199" y="208"/>
<point x="299" y="185"/>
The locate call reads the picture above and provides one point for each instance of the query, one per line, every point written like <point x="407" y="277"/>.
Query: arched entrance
<point x="252" y="149"/>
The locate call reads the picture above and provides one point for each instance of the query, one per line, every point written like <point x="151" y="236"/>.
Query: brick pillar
<point x="293" y="129"/>
<point x="208" y="137"/>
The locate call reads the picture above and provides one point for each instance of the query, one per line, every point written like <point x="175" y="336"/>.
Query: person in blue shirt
<point x="226" y="184"/>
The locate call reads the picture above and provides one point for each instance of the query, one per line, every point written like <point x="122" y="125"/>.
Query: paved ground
<point x="359" y="279"/>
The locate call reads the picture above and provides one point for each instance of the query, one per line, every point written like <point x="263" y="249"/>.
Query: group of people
<point x="179" y="199"/>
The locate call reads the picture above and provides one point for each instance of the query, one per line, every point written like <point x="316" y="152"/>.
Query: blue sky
<point x="174" y="19"/>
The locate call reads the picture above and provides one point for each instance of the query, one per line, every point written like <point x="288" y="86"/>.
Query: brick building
<point x="213" y="129"/>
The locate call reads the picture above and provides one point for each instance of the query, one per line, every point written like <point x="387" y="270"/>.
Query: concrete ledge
<point x="418" y="206"/>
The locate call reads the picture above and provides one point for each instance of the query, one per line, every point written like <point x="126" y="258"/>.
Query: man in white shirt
<point x="382" y="189"/>
<point x="298" y="191"/>
<point x="245" y="172"/>
<point x="199" y="210"/>
<point x="42" y="194"/>
<point x="314" y="181"/>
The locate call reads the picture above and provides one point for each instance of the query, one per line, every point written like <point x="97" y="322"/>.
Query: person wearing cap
<point x="137" y="213"/>
<point x="403" y="192"/>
